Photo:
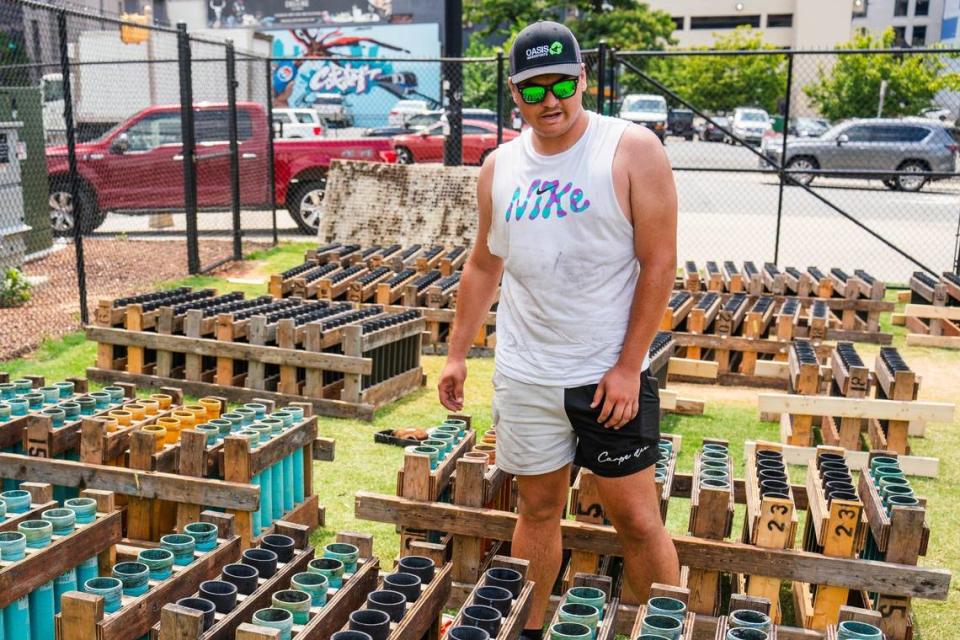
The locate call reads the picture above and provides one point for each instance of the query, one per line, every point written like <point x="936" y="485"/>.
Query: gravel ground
<point x="115" y="267"/>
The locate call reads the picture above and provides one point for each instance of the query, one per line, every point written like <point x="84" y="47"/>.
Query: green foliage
<point x="627" y="26"/>
<point x="14" y="288"/>
<point x="850" y="88"/>
<point x="480" y="78"/>
<point x="723" y="83"/>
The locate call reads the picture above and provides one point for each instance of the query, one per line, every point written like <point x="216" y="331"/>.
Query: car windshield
<point x="835" y="130"/>
<point x="644" y="104"/>
<point x="753" y="116"/>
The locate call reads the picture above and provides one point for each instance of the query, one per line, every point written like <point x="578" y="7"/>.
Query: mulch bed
<point x="114" y="267"/>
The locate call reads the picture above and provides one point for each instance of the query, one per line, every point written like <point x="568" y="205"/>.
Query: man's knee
<point x="540" y="509"/>
<point x="639" y="527"/>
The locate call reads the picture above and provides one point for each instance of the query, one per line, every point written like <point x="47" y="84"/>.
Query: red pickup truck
<point x="137" y="167"/>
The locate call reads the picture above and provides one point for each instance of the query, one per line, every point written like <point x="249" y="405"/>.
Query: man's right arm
<point x="478" y="285"/>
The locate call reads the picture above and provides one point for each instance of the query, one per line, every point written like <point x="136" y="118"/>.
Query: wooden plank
<point x="468" y="492"/>
<point x="78" y="610"/>
<point x="856" y="407"/>
<point x="772" y="369"/>
<point x="237" y="350"/>
<point x="942" y="342"/>
<point x="705" y="369"/>
<point x="883" y="577"/>
<point x="928" y="311"/>
<point x="180" y="623"/>
<point x="163" y="486"/>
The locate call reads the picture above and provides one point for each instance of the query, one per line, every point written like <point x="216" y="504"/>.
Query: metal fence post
<point x="499" y="97"/>
<point x="453" y="76"/>
<point x="78" y="221"/>
<point x="783" y="157"/>
<point x="234" y="149"/>
<point x="614" y="85"/>
<point x="271" y="183"/>
<point x="601" y="73"/>
<point x="188" y="151"/>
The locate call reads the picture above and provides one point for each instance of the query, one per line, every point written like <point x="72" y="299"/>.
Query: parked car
<point x="808" y="127"/>
<point x="680" y="123"/>
<point x="137" y="167"/>
<point x="333" y="109"/>
<point x="479" y="139"/>
<point x="867" y="148"/>
<point x="649" y="110"/>
<point x="710" y="132"/>
<point x="749" y="124"/>
<point x="403" y="110"/>
<point x="297" y="123"/>
<point x="423" y="120"/>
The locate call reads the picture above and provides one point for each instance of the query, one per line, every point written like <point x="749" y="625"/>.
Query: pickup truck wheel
<point x="306" y="204"/>
<point x="63" y="212"/>
<point x="404" y="156"/>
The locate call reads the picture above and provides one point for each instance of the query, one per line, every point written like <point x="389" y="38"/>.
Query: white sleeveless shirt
<point x="570" y="268"/>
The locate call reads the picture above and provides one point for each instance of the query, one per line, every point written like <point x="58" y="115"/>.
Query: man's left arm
<point x="653" y="212"/>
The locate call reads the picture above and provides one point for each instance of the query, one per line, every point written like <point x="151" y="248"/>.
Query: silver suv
<point x="911" y="146"/>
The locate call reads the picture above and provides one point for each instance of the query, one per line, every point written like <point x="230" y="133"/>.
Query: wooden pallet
<point x="375" y="367"/>
<point x="40" y="566"/>
<point x="512" y="624"/>
<point x="786" y="564"/>
<point x="82" y="615"/>
<point x="177" y="623"/>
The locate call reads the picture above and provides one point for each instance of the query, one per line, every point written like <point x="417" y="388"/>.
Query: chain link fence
<point x="98" y="193"/>
<point x="800" y="158"/>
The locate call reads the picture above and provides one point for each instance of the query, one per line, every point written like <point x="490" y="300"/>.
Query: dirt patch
<point x="113" y="267"/>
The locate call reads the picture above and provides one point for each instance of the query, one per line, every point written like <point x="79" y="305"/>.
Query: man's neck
<point x="552" y="146"/>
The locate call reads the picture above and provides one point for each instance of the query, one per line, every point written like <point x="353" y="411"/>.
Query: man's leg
<point x="537" y="535"/>
<point x="632" y="505"/>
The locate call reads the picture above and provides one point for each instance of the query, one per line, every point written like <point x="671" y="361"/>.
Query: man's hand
<point x="451" y="382"/>
<point x="619" y="390"/>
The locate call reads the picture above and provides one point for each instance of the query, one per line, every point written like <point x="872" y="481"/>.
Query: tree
<point x="624" y="24"/>
<point x="480" y="78"/>
<point x="723" y="83"/>
<point x="850" y="87"/>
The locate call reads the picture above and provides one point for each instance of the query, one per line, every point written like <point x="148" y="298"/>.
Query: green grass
<point x="363" y="465"/>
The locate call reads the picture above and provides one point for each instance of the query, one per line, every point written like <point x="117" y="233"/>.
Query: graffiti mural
<point x="364" y="65"/>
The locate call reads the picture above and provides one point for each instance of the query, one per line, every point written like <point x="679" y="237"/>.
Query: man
<point x="578" y="216"/>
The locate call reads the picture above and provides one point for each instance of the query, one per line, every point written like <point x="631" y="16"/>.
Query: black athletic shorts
<point x="615" y="452"/>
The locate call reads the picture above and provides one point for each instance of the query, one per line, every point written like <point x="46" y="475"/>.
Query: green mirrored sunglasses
<point x="535" y="93"/>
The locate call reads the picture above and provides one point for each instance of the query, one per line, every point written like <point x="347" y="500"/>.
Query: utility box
<point x="25" y="104"/>
<point x="13" y="245"/>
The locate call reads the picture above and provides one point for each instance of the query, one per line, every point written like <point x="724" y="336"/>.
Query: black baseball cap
<point x="544" y="47"/>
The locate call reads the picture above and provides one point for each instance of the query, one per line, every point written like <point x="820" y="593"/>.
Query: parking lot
<point x="727" y="215"/>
